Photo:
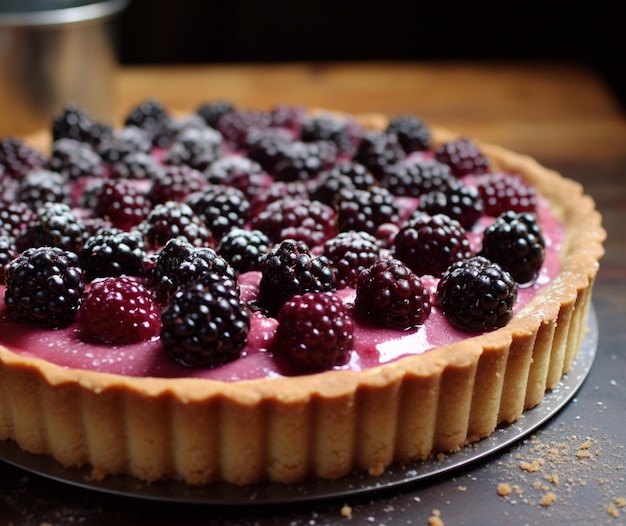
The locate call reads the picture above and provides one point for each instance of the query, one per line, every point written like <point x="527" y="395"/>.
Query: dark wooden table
<point x="568" y="471"/>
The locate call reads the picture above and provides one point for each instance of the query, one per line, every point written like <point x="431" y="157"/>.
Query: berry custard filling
<point x="237" y="244"/>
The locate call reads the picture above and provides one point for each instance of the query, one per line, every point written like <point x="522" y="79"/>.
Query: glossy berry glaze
<point x="373" y="346"/>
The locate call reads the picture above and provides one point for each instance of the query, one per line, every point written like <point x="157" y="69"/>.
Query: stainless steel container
<point x="53" y="52"/>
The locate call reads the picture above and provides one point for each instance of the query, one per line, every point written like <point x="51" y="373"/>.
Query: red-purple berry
<point x="501" y="192"/>
<point x="463" y="156"/>
<point x="314" y="333"/>
<point x="119" y="310"/>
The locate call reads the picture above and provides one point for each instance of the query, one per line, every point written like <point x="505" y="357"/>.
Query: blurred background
<point x="243" y="31"/>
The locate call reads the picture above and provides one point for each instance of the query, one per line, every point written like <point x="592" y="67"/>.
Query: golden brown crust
<point x="324" y="425"/>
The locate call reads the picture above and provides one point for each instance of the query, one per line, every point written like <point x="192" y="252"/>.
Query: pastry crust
<point x="325" y="425"/>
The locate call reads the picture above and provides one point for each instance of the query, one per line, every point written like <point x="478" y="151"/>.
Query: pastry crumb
<point x="612" y="510"/>
<point x="531" y="467"/>
<point x="504" y="489"/>
<point x="435" y="519"/>
<point x="346" y="511"/>
<point x="548" y="499"/>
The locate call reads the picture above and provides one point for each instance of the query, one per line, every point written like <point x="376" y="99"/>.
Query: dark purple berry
<point x="309" y="221"/>
<point x="417" y="177"/>
<point x="56" y="225"/>
<point x="477" y="295"/>
<point x="350" y="253"/>
<point x="413" y="134"/>
<point x="174" y="219"/>
<point x="74" y="159"/>
<point x="205" y="322"/>
<point x="430" y="244"/>
<point x="44" y="286"/>
<point x="175" y="183"/>
<point x="459" y="201"/>
<point x="243" y="248"/>
<point x="19" y="158"/>
<point x="378" y="152"/>
<point x="113" y="252"/>
<point x="42" y="186"/>
<point x="221" y="207"/>
<point x="365" y="210"/>
<point x="211" y="112"/>
<point x="390" y="294"/>
<point x="516" y="243"/>
<point x="289" y="269"/>
<point x="179" y="262"/>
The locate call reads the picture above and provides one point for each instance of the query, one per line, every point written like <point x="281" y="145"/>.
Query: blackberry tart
<point x="353" y="311"/>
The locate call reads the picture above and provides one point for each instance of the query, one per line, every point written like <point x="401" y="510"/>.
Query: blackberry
<point x="350" y="253"/>
<point x="122" y="142"/>
<point x="314" y="333"/>
<point x="365" y="210"/>
<point x="235" y="125"/>
<point x="150" y="116"/>
<point x="179" y="262"/>
<point x="119" y="310"/>
<point x="121" y="203"/>
<point x="174" y="219"/>
<point x="205" y="323"/>
<point x="19" y="158"/>
<point x="378" y="152"/>
<point x="76" y="123"/>
<point x="477" y="295"/>
<point x="173" y="127"/>
<point x="137" y="165"/>
<point x="175" y="183"/>
<point x="459" y="201"/>
<point x="516" y="243"/>
<point x="239" y="172"/>
<point x="345" y="175"/>
<point x="430" y="244"/>
<point x="502" y="192"/>
<point x="390" y="294"/>
<point x="302" y="161"/>
<point x="275" y="191"/>
<point x="74" y="159"/>
<point x="325" y="127"/>
<point x="54" y="224"/>
<point x="8" y="252"/>
<point x="418" y="177"/>
<point x="302" y="219"/>
<point x="221" y="208"/>
<point x="413" y="134"/>
<point x="197" y="148"/>
<point x="211" y="112"/>
<point x="44" y="286"/>
<point x="244" y="248"/>
<point x="289" y="117"/>
<point x="463" y="157"/>
<point x="42" y="186"/>
<point x="14" y="216"/>
<point x="113" y="252"/>
<point x="289" y="269"/>
<point x="266" y="147"/>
